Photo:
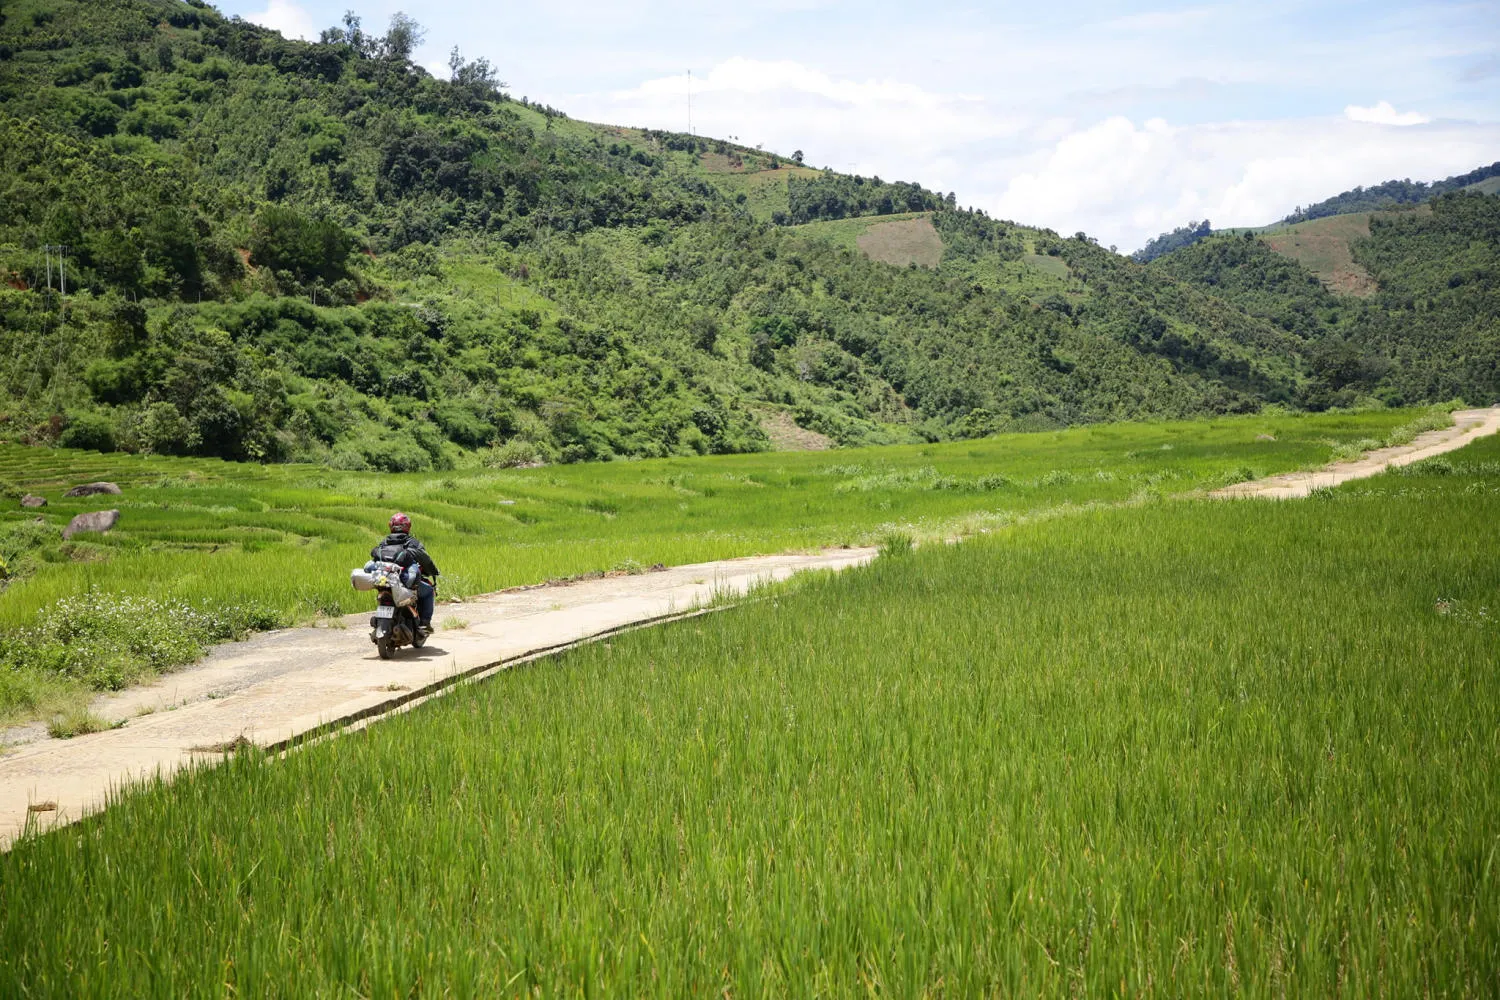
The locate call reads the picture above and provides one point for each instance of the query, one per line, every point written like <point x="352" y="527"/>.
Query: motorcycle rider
<point x="401" y="548"/>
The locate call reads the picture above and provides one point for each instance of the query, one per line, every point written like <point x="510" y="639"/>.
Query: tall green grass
<point x="1179" y="748"/>
<point x="276" y="543"/>
<point x="286" y="535"/>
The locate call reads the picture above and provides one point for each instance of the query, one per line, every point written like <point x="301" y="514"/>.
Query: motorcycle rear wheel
<point x="385" y="647"/>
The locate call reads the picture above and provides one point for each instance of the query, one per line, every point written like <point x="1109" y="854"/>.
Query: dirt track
<point x="283" y="686"/>
<point x="1468" y="426"/>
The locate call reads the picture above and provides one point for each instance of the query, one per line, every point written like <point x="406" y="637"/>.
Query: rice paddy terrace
<point x="1122" y="743"/>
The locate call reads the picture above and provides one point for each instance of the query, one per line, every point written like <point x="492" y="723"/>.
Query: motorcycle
<point x="394" y="623"/>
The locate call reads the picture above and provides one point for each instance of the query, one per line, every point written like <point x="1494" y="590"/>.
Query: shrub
<point x="463" y="424"/>
<point x="925" y="478"/>
<point x="399" y="452"/>
<point x="163" y="430"/>
<point x="514" y="454"/>
<point x="113" y="381"/>
<point x="88" y="430"/>
<point x="1436" y="466"/>
<point x="1435" y="419"/>
<point x="896" y="543"/>
<point x="108" y="641"/>
<point x="77" y="722"/>
<point x="348" y="459"/>
<point x="284" y="240"/>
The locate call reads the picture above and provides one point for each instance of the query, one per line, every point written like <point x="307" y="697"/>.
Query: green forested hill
<point x="286" y="250"/>
<point x="1391" y="194"/>
<point x="1431" y="330"/>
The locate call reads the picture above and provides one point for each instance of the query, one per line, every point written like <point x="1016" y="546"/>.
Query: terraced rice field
<point x="276" y="543"/>
<point x="1180" y="747"/>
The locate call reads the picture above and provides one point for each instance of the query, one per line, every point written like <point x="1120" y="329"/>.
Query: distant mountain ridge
<point x="1424" y="326"/>
<point x="1389" y="194"/>
<point x="1402" y="192"/>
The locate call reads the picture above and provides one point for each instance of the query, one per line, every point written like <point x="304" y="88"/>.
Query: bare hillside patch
<point x="785" y="435"/>
<point x="910" y="241"/>
<point x="765" y="191"/>
<point x="1322" y="246"/>
<point x="723" y="163"/>
<point x="1053" y="267"/>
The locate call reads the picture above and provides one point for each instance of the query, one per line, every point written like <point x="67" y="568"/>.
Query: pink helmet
<point x="400" y="524"/>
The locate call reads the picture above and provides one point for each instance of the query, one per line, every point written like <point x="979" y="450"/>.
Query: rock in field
<point x="29" y="500"/>
<point x="94" y="520"/>
<point x="92" y="489"/>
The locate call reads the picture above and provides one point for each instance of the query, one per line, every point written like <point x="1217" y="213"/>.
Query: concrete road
<point x="280" y="686"/>
<point x="1468" y="427"/>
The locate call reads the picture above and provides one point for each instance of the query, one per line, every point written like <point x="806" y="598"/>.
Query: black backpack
<point x="392" y="553"/>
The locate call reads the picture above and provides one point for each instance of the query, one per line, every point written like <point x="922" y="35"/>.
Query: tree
<point x="284" y="240"/>
<point x="1182" y="236"/>
<point x="797" y="157"/>
<point x="478" y="78"/>
<point x="351" y="34"/>
<point x="402" y="39"/>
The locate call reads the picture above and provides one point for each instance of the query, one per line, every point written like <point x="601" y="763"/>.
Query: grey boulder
<point x="94" y="520"/>
<point x="30" y="500"/>
<point x="92" y="489"/>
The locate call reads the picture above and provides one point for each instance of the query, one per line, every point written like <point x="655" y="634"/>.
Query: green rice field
<point x="1180" y="747"/>
<point x="208" y="529"/>
<point x="243" y="546"/>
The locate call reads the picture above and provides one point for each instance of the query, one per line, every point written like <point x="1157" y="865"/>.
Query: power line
<point x="61" y="249"/>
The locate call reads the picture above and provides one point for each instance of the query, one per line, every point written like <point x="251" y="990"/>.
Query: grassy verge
<point x="1436" y="418"/>
<point x="223" y="549"/>
<point x="1189" y="748"/>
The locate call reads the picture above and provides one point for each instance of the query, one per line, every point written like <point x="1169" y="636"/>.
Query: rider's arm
<point x="429" y="568"/>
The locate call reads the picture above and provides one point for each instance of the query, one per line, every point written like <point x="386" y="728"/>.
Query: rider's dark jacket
<point x="403" y="550"/>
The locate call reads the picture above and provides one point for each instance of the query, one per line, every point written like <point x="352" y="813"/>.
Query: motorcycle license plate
<point x="385" y="612"/>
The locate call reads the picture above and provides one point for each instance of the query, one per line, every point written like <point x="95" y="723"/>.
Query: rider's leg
<point x="426" y="602"/>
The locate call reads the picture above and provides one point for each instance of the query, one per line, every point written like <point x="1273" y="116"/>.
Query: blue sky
<point x="1120" y="120"/>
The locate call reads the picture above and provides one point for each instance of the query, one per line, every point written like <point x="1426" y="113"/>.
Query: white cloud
<point x="1384" y="114"/>
<point x="1125" y="183"/>
<point x="896" y="129"/>
<point x="1119" y="179"/>
<point x="285" y="17"/>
